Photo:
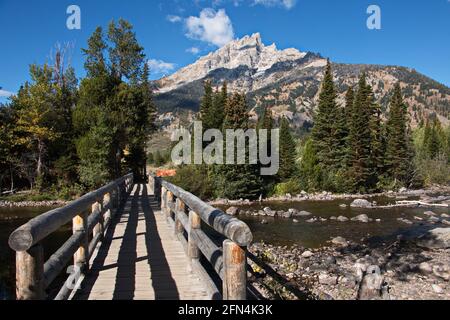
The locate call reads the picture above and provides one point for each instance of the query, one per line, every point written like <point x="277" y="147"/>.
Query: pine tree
<point x="217" y="112"/>
<point x="206" y="106"/>
<point x="360" y="138"/>
<point x="324" y="133"/>
<point x="398" y="150"/>
<point x="287" y="152"/>
<point x="238" y="180"/>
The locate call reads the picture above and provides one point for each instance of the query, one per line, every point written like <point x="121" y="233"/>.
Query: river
<point x="277" y="231"/>
<point x="282" y="231"/>
<point x="10" y="219"/>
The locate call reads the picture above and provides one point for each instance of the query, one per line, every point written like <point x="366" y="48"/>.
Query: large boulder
<point x="361" y="218"/>
<point x="342" y="219"/>
<point x="438" y="238"/>
<point x="360" y="203"/>
<point x="233" y="211"/>
<point x="340" y="241"/>
<point x="303" y="214"/>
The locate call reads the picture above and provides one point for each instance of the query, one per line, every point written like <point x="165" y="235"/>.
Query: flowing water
<point x="282" y="231"/>
<point x="278" y="231"/>
<point x="10" y="219"/>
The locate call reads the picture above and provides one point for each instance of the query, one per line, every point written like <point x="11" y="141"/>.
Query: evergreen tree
<point x="398" y="150"/>
<point x="361" y="138"/>
<point x="217" y="111"/>
<point x="206" y="107"/>
<point x="324" y="133"/>
<point x="287" y="152"/>
<point x="238" y="180"/>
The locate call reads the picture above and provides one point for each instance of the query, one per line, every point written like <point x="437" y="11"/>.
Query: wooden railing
<point x="90" y="215"/>
<point x="208" y="235"/>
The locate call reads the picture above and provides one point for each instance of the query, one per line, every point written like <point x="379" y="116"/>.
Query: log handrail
<point x="185" y="212"/>
<point x="91" y="215"/>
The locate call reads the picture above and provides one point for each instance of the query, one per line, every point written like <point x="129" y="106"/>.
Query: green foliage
<point x="399" y="153"/>
<point x="194" y="179"/>
<point x="291" y="186"/>
<point x="287" y="152"/>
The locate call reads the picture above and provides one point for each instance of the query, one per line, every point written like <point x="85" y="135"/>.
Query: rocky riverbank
<point x="402" y="269"/>
<point x="426" y="195"/>
<point x="35" y="204"/>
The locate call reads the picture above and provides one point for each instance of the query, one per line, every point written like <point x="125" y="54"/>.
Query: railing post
<point x="107" y="202"/>
<point x="168" y="200"/>
<point x="98" y="229"/>
<point x="235" y="271"/>
<point x="79" y="224"/>
<point x="30" y="274"/>
<point x="179" y="207"/>
<point x="163" y="200"/>
<point x="194" y="224"/>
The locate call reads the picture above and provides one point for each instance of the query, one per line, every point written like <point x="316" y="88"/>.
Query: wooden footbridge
<point x="135" y="241"/>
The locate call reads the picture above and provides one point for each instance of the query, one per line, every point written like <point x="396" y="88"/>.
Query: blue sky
<point x="174" y="33"/>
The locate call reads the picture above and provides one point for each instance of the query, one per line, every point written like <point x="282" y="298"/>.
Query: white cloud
<point x="193" y="50"/>
<point x="4" y="93"/>
<point x="211" y="26"/>
<point x="288" y="4"/>
<point x="173" y="18"/>
<point x="159" y="66"/>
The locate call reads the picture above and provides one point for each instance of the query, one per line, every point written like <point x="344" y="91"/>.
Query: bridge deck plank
<point x="141" y="258"/>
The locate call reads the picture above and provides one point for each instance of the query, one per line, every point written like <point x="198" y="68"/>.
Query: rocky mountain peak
<point x="248" y="51"/>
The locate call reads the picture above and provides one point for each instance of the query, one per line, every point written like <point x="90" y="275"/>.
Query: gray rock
<point x="233" y="211"/>
<point x="402" y="190"/>
<point x="361" y="218"/>
<point x="429" y="213"/>
<point x="433" y="219"/>
<point x="418" y="218"/>
<point x="438" y="238"/>
<point x="437" y="288"/>
<point x="339" y="241"/>
<point x="343" y="205"/>
<point x="371" y="286"/>
<point x="264" y="221"/>
<point x="425" y="268"/>
<point x="444" y="215"/>
<point x="442" y="271"/>
<point x="327" y="279"/>
<point x="293" y="211"/>
<point x="307" y="254"/>
<point x="342" y="219"/>
<point x="286" y="215"/>
<point x="295" y="220"/>
<point x="303" y="214"/>
<point x="360" y="203"/>
<point x="404" y="220"/>
<point x="333" y="218"/>
<point x="311" y="220"/>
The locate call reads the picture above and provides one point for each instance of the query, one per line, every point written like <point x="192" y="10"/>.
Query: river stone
<point x="425" y="268"/>
<point x="444" y="215"/>
<point x="343" y="205"/>
<point x="438" y="238"/>
<point x="339" y="241"/>
<point x="361" y="218"/>
<point x="437" y="288"/>
<point x="402" y="190"/>
<point x="307" y="254"/>
<point x="327" y="279"/>
<point x="342" y="219"/>
<point x="404" y="220"/>
<point x="303" y="214"/>
<point x="233" y="211"/>
<point x="295" y="221"/>
<point x="360" y="203"/>
<point x="286" y="214"/>
<point x="429" y="213"/>
<point x="311" y="220"/>
<point x="442" y="271"/>
<point x="293" y="211"/>
<point x="264" y="221"/>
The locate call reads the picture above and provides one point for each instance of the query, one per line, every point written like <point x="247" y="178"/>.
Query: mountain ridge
<point x="288" y="81"/>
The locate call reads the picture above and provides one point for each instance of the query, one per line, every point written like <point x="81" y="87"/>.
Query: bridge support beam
<point x="79" y="224"/>
<point x="235" y="271"/>
<point x="30" y="274"/>
<point x="180" y="207"/>
<point x="193" y="251"/>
